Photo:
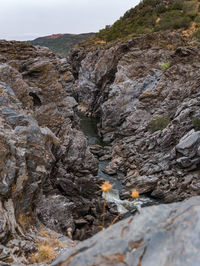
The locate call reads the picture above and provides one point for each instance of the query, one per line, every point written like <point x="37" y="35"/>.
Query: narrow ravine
<point x="89" y="126"/>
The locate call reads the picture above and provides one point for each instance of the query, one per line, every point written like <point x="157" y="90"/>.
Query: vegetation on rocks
<point x="151" y="16"/>
<point x="61" y="43"/>
<point x="158" y="123"/>
<point x="196" y="123"/>
<point x="165" y="65"/>
<point x="47" y="248"/>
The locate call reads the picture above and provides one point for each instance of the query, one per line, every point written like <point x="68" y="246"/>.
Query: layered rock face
<point x="47" y="172"/>
<point x="25" y="164"/>
<point x="135" y="88"/>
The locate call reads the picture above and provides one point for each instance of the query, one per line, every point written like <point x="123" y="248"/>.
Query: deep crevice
<point x="36" y="100"/>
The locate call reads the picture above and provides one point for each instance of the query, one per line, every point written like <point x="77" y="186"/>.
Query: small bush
<point x="174" y="19"/>
<point x="189" y="7"/>
<point x="197" y="35"/>
<point x="158" y="123"/>
<point x="196" y="123"/>
<point x="161" y="9"/>
<point x="197" y="19"/>
<point x="46" y="248"/>
<point x="177" y="5"/>
<point x="165" y="65"/>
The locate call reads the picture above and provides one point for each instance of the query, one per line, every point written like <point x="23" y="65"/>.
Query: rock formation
<point x="48" y="174"/>
<point x="160" y="235"/>
<point x="133" y="92"/>
<point x="145" y="92"/>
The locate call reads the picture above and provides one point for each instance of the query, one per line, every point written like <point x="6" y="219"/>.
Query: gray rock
<point x="160" y="235"/>
<point x="187" y="142"/>
<point x="25" y="160"/>
<point x="143" y="184"/>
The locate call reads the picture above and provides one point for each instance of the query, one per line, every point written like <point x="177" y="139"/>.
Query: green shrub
<point x="161" y="9"/>
<point x="197" y="19"/>
<point x="196" y="123"/>
<point x="177" y="5"/>
<point x="197" y="35"/>
<point x="174" y="19"/>
<point x="189" y="7"/>
<point x="165" y="65"/>
<point x="158" y="123"/>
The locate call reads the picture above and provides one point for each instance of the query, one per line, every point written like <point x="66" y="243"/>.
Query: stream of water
<point x="88" y="126"/>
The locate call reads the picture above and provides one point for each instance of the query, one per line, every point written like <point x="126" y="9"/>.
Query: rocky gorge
<point x="134" y="94"/>
<point x="145" y="94"/>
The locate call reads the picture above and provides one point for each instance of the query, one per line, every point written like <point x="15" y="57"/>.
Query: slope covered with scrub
<point x="152" y="16"/>
<point x="61" y="43"/>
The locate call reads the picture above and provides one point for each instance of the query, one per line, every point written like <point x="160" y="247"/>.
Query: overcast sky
<point x="28" y="19"/>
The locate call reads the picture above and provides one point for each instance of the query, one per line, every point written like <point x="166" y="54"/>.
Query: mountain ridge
<point x="61" y="43"/>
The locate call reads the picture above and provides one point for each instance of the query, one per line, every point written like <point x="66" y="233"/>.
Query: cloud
<point x="21" y="19"/>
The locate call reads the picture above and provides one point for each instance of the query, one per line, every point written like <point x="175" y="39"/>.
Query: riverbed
<point x="89" y="126"/>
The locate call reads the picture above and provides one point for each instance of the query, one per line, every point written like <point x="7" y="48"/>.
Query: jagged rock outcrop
<point x="74" y="175"/>
<point x="25" y="160"/>
<point x="37" y="75"/>
<point x="132" y="85"/>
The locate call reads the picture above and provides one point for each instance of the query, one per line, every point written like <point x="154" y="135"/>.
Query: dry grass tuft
<point x="47" y="248"/>
<point x="45" y="253"/>
<point x="25" y="221"/>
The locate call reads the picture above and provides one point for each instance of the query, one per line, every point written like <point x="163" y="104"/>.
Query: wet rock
<point x="97" y="150"/>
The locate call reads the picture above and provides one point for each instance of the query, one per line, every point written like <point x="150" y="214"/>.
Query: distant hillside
<point x="61" y="43"/>
<point x="152" y="16"/>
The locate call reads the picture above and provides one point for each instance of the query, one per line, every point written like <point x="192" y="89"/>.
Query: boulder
<point x="159" y="235"/>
